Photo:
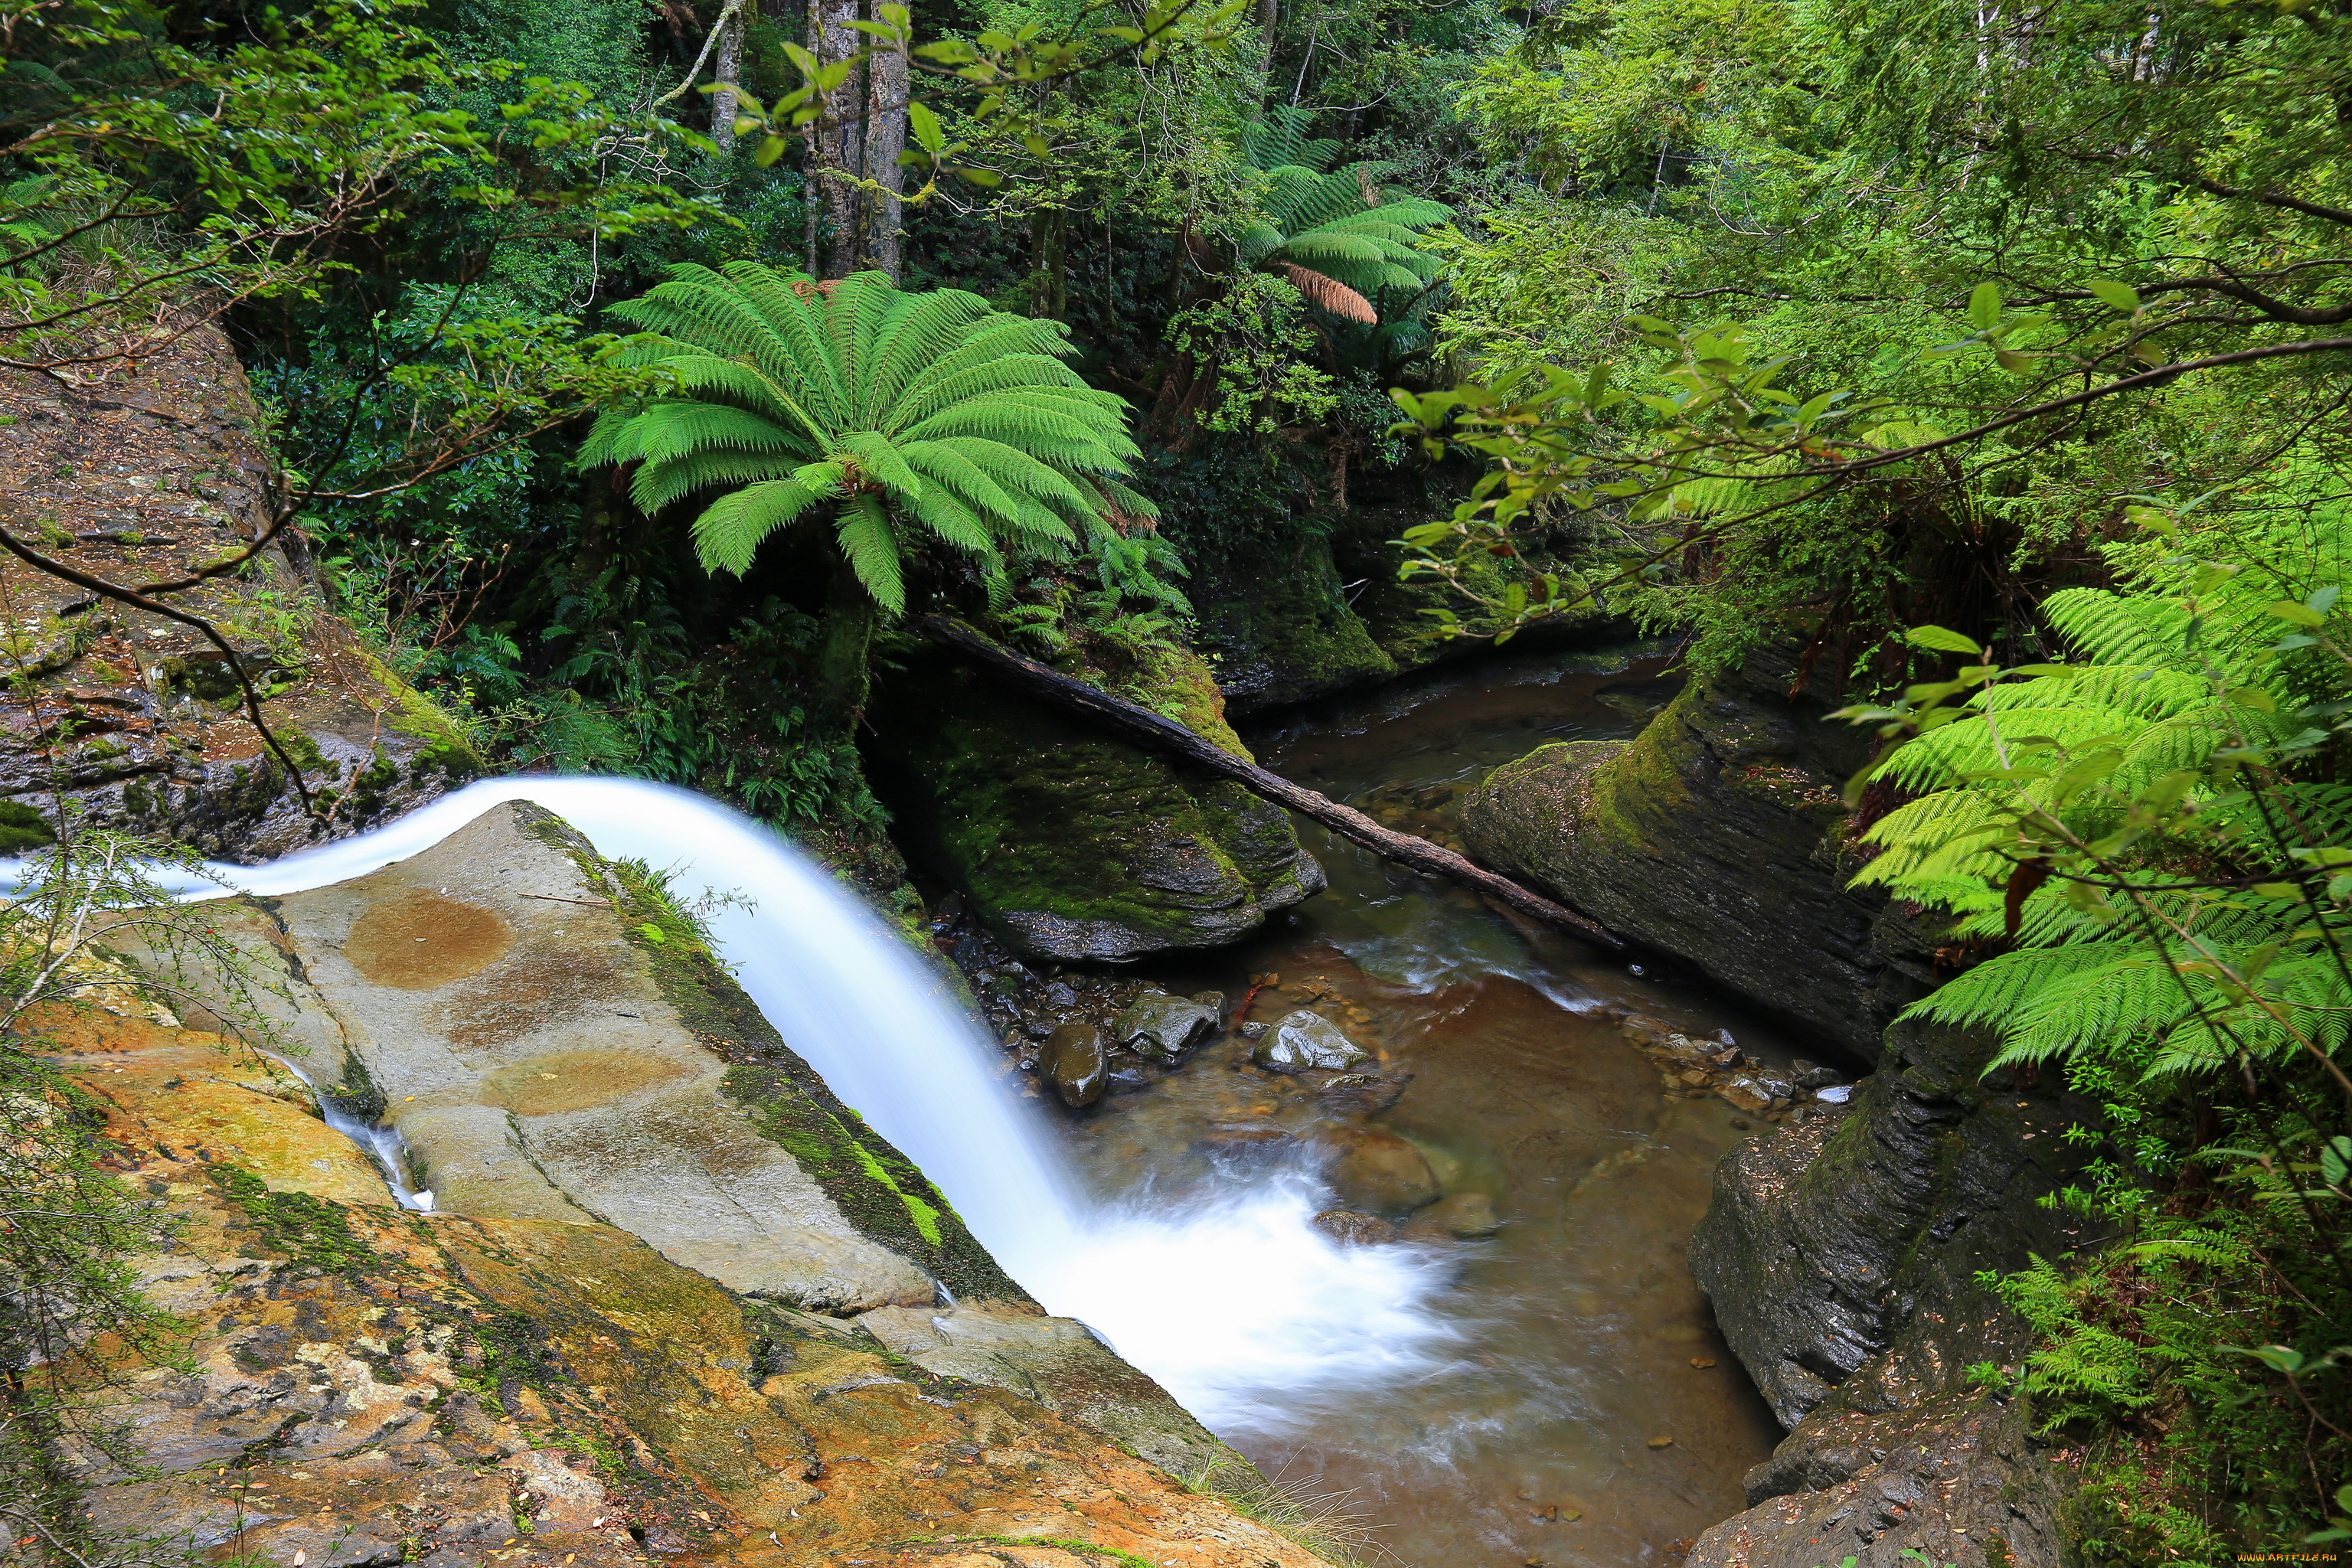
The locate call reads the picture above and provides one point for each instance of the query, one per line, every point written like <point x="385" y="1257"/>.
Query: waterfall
<point x="1233" y="1301"/>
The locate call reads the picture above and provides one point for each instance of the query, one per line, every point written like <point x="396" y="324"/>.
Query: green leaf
<point x="1940" y="640"/>
<point x="925" y="125"/>
<point x="2278" y="1358"/>
<point x="2301" y="614"/>
<point x="1984" y="306"/>
<point x="2108" y="293"/>
<point x="653" y="934"/>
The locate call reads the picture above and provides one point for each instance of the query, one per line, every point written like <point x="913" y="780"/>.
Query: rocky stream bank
<point x="1841" y="1253"/>
<point x="670" y="1300"/>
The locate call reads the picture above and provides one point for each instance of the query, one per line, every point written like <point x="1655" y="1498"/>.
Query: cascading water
<point x="1233" y="1301"/>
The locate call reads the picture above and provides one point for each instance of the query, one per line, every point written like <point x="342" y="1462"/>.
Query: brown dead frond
<point x="1330" y="294"/>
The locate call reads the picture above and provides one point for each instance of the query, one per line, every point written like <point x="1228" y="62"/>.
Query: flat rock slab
<point x="1058" y="1362"/>
<point x="488" y="995"/>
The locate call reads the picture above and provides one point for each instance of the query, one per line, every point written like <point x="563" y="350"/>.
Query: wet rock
<point x="1718" y="835"/>
<point x="1058" y="1360"/>
<point x="1377" y="1171"/>
<point x="1463" y="1216"/>
<point x="1128" y="1079"/>
<point x="1253" y="1030"/>
<point x="1160" y="1025"/>
<point x="1305" y="1040"/>
<point x="1349" y="1228"/>
<point x="346" y="1396"/>
<point x="1244" y="1147"/>
<point x="1810" y="1077"/>
<point x="1840" y="1255"/>
<point x="1074" y="1063"/>
<point x="1744" y="1092"/>
<point x="1363" y="1094"/>
<point x="1069" y="843"/>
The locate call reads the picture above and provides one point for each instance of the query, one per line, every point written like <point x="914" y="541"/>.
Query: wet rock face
<point x="494" y="999"/>
<point x="140" y="719"/>
<point x="1304" y="1041"/>
<point x="1841" y="1257"/>
<point x="365" y="1386"/>
<point x="1162" y="1026"/>
<point x="1716" y="834"/>
<point x="1071" y="845"/>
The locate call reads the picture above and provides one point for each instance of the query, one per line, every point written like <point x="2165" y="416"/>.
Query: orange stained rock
<point x="359" y="1373"/>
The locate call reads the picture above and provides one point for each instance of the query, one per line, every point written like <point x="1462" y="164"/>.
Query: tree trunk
<point x="1144" y="728"/>
<point x="886" y="138"/>
<point x="1049" y="283"/>
<point x="844" y="659"/>
<point x="840" y="149"/>
<point x="728" y="67"/>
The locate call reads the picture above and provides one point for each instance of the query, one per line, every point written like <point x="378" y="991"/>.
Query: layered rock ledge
<point x="673" y="1297"/>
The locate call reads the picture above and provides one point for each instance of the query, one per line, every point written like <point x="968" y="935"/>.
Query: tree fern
<point x="2138" y="829"/>
<point x="1335" y="235"/>
<point x="909" y="421"/>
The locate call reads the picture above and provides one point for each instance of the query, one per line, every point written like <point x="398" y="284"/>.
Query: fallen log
<point x="1144" y="728"/>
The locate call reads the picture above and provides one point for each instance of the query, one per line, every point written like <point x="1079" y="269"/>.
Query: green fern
<point x="1336" y="235"/>
<point x="911" y="421"/>
<point x="2161" y="780"/>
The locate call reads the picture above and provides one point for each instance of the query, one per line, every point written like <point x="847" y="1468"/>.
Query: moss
<point x="447" y="750"/>
<point x="309" y="1232"/>
<point x="1285" y="628"/>
<point x="1038" y="819"/>
<point x="23" y="828"/>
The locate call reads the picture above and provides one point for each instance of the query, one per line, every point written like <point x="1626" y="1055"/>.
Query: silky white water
<point x="1234" y="1303"/>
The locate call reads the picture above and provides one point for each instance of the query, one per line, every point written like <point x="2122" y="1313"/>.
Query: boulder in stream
<point x="1306" y="1041"/>
<point x="1164" y="1027"/>
<point x="1073" y="1062"/>
<point x="1350" y="1227"/>
<point x="1840" y="1255"/>
<point x="1377" y="1171"/>
<point x="1073" y="844"/>
<point x="1462" y="1217"/>
<point x="1720" y="835"/>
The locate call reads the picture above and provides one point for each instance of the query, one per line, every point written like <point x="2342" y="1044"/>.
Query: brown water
<point x="1576" y="1336"/>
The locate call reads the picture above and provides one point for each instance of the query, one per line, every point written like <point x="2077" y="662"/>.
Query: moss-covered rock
<point x="1716" y="834"/>
<point x="1072" y="844"/>
<point x="1278" y="628"/>
<point x="140" y="720"/>
<point x="356" y="1384"/>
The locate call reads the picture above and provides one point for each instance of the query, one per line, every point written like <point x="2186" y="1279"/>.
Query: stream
<point x="1554" y="1395"/>
<point x="1498" y="1402"/>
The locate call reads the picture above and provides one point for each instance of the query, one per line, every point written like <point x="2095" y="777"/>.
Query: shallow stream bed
<point x="1556" y="1394"/>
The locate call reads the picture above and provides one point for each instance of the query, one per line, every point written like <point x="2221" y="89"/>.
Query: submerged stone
<point x="1377" y="1171"/>
<point x="1073" y="1062"/>
<point x="1463" y="1216"/>
<point x="1164" y="1026"/>
<point x="1306" y="1041"/>
<point x="1349" y="1228"/>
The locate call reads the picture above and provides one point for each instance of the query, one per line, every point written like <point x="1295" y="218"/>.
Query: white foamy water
<point x="1234" y="1303"/>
